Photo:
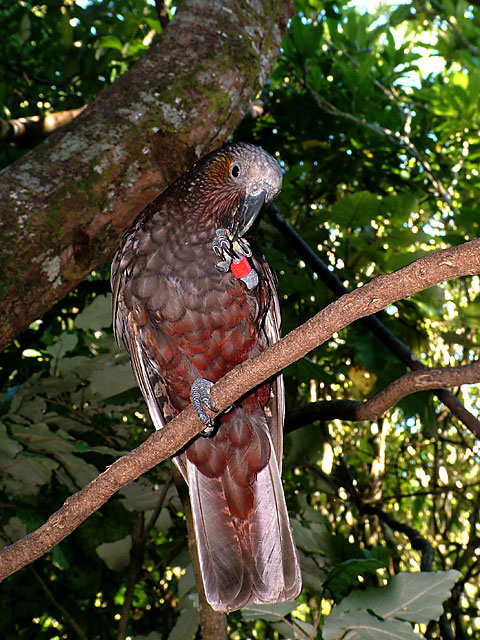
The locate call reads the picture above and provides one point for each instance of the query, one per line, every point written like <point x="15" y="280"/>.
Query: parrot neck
<point x="204" y="204"/>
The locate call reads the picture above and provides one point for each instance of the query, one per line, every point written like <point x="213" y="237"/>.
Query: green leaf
<point x="316" y="538"/>
<point x="133" y="48"/>
<point x="416" y="597"/>
<point x="15" y="529"/>
<point x="143" y="494"/>
<point x="8" y="446"/>
<point x="63" y="344"/>
<point x="32" y="409"/>
<point x="187" y="583"/>
<point x="109" y="42"/>
<point x="366" y="627"/>
<point x="26" y="474"/>
<point x="116" y="555"/>
<point x="296" y="629"/>
<point x="345" y="574"/>
<point x="268" y="611"/>
<point x="97" y="315"/>
<point x="304" y="446"/>
<point x="306" y="36"/>
<point x="112" y="380"/>
<point x="187" y="623"/>
<point x="59" y="558"/>
<point x="25" y="28"/>
<point x="411" y="597"/>
<point x="82" y="366"/>
<point x="306" y="369"/>
<point x="472" y="313"/>
<point x="356" y="209"/>
<point x="368" y="61"/>
<point x="64" y="28"/>
<point x="81" y="471"/>
<point x="55" y="386"/>
<point x="314" y="571"/>
<point x="41" y="439"/>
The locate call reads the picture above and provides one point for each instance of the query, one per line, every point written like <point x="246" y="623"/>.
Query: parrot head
<point x="230" y="185"/>
<point x="258" y="177"/>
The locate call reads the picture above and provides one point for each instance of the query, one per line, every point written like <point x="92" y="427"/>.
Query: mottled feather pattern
<point x="181" y="318"/>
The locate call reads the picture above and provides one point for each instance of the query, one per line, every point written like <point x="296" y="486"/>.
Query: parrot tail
<point x="249" y="559"/>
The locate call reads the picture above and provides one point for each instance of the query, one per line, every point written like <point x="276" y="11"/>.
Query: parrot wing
<point x="126" y="333"/>
<point x="271" y="327"/>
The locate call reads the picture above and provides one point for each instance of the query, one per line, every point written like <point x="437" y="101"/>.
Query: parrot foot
<point x="232" y="252"/>
<point x="222" y="247"/>
<point x="200" y="397"/>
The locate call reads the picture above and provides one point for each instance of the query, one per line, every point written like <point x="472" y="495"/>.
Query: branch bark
<point x="67" y="202"/>
<point x="213" y="624"/>
<point x="376" y="406"/>
<point x="162" y="12"/>
<point x="373" y="323"/>
<point x="36" y="127"/>
<point x="377" y="294"/>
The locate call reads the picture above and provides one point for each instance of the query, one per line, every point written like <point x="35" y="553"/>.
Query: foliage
<point x="59" y="55"/>
<point x="385" y="613"/>
<point x="375" y="118"/>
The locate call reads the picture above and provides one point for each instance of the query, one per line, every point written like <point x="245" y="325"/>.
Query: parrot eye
<point x="235" y="170"/>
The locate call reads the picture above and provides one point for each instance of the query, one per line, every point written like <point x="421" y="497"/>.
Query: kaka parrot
<point x="192" y="299"/>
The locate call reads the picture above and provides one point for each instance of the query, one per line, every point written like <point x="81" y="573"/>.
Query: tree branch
<point x="450" y="25"/>
<point x="377" y="294"/>
<point x="35" y="127"/>
<point x="162" y="13"/>
<point x="385" y="399"/>
<point x="66" y="204"/>
<point x="136" y="557"/>
<point x="417" y="541"/>
<point x="140" y="532"/>
<point x="395" y="345"/>
<point x="66" y="616"/>
<point x="213" y="624"/>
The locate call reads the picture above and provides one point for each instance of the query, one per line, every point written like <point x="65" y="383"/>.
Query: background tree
<point x="375" y="118"/>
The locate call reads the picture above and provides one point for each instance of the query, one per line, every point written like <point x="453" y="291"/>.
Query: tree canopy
<point x="374" y="116"/>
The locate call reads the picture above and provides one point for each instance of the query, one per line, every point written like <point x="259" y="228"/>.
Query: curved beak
<point x="252" y="206"/>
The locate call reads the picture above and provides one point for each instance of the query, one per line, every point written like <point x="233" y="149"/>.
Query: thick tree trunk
<point x="66" y="203"/>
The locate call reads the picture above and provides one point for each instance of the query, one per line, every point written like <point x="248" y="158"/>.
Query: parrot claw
<point x="222" y="247"/>
<point x="200" y="397"/>
<point x="245" y="248"/>
<point x="221" y="243"/>
<point x="228" y="249"/>
<point x="223" y="266"/>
